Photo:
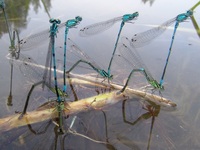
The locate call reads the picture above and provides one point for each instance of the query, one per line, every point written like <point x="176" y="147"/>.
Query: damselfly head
<point x="129" y="17"/>
<point x="111" y="77"/>
<point x="136" y="14"/>
<point x="78" y="18"/>
<point x="162" y="87"/>
<point x="189" y="12"/>
<point x="184" y="16"/>
<point x="51" y="20"/>
<point x="57" y="21"/>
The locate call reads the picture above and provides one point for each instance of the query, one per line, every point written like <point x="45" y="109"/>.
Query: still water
<point x="125" y="125"/>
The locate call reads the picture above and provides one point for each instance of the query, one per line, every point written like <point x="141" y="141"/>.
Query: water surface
<point x="126" y="125"/>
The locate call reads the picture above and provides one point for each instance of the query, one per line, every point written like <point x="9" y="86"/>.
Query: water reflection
<point x="9" y="99"/>
<point x="152" y="112"/>
<point x="47" y="6"/>
<point x="46" y="130"/>
<point x="17" y="12"/>
<point x="171" y="135"/>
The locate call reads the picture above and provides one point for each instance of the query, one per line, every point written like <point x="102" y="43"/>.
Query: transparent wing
<point x="48" y="66"/>
<point x="30" y="68"/>
<point x="71" y="58"/>
<point x="142" y="38"/>
<point x="34" y="40"/>
<point x="133" y="58"/>
<point x="98" y="27"/>
<point x="80" y="53"/>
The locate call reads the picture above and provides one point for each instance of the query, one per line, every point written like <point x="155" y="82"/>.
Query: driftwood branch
<point x="47" y="111"/>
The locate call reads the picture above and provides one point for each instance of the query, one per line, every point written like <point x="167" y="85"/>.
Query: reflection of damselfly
<point x="102" y="26"/>
<point x="132" y="59"/>
<point x="45" y="134"/>
<point x="14" y="49"/>
<point x="148" y="111"/>
<point x="34" y="73"/>
<point x="140" y="39"/>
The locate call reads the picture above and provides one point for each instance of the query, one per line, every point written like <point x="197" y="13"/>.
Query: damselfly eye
<point x="78" y="18"/>
<point x="51" y="20"/>
<point x="58" y="21"/>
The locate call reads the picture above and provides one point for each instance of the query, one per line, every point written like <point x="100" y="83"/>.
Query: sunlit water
<point x="125" y="125"/>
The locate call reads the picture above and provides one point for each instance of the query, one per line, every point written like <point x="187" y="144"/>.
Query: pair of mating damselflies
<point x="51" y="55"/>
<point x="138" y="40"/>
